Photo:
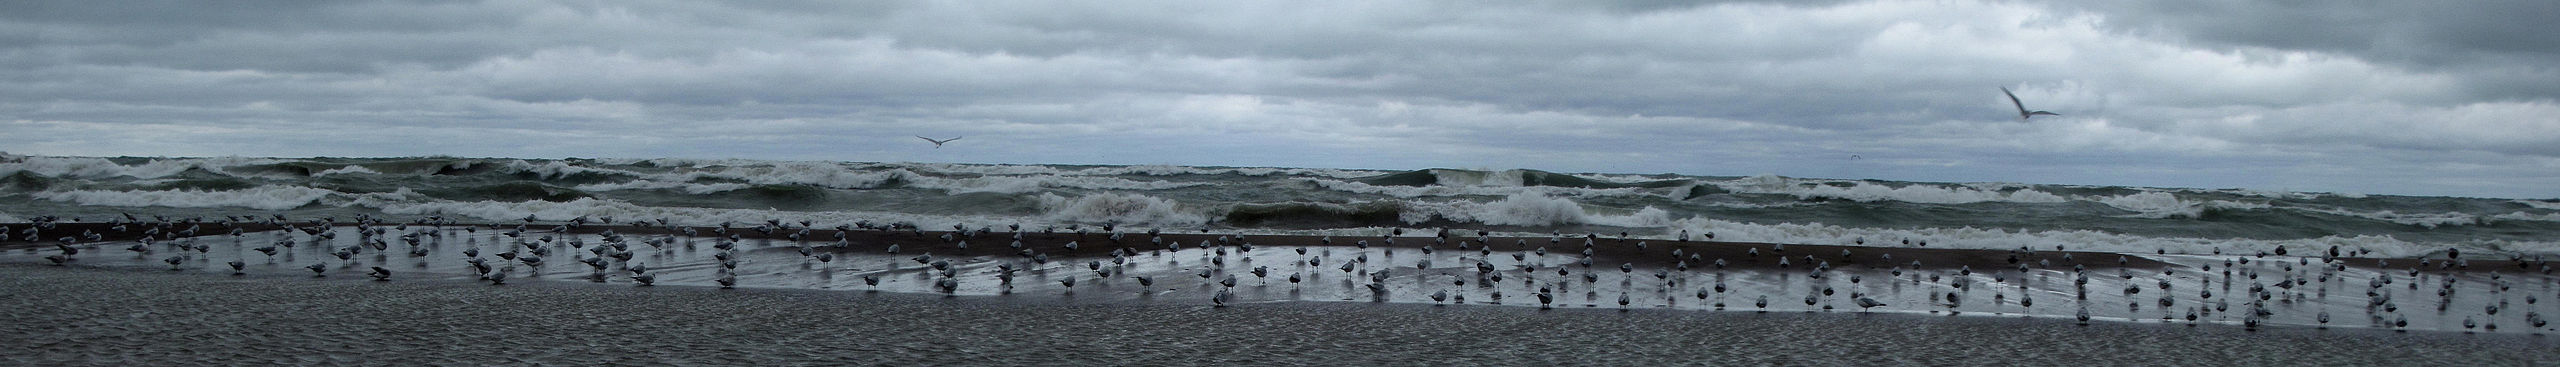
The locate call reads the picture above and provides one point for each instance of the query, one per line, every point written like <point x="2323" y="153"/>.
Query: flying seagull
<point x="937" y="144"/>
<point x="2023" y="113"/>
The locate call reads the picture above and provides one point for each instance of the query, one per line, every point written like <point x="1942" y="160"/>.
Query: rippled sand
<point x="101" y="316"/>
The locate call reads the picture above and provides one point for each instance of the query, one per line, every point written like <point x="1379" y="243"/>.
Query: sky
<point x="2378" y="97"/>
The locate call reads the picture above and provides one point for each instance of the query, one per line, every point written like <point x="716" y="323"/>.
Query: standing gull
<point x="2023" y="113"/>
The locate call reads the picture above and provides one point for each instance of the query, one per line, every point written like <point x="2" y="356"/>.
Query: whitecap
<point x="1117" y="208"/>
<point x="1862" y="191"/>
<point x="268" y="197"/>
<point x="2075" y="240"/>
<point x="351" y="169"/>
<point x="1531" y="209"/>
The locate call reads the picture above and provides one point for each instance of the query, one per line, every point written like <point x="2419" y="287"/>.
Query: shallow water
<point x="2223" y="296"/>
<point x="125" y="316"/>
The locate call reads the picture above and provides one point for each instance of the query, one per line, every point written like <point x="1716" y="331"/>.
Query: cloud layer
<point x="2374" y="98"/>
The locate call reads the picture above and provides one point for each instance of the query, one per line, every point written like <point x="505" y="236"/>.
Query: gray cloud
<point x="2316" y="96"/>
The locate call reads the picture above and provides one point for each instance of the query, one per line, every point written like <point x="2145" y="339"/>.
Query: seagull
<point x="937" y="144"/>
<point x="2023" y="113"/>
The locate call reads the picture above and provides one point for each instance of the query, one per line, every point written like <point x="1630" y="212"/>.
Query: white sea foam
<point x="687" y="187"/>
<point x="840" y="176"/>
<point x="827" y="175"/>
<point x="86" y="167"/>
<point x="1151" y="170"/>
<point x="1168" y="170"/>
<point x="2146" y="204"/>
<point x="1028" y="184"/>
<point x="545" y="210"/>
<point x="269" y="197"/>
<point x="2278" y="194"/>
<point x="1868" y="192"/>
<point x="2076" y="240"/>
<point x="1483" y="190"/>
<point x="1618" y="179"/>
<point x="686" y="162"/>
<point x="2523" y="216"/>
<point x="1118" y="208"/>
<point x="557" y="169"/>
<point x="2429" y="220"/>
<point x="2156" y="204"/>
<point x="978" y="169"/>
<point x="1531" y="209"/>
<point x="351" y="169"/>
<point x="1145" y="170"/>
<point x="2540" y="204"/>
<point x="1500" y="178"/>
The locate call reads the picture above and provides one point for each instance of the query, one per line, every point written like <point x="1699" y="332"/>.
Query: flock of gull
<point x="1443" y="266"/>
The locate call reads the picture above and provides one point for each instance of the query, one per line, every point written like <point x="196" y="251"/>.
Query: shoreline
<point x="1605" y="249"/>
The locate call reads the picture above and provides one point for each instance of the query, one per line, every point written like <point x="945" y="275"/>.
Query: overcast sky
<point x="2389" y="97"/>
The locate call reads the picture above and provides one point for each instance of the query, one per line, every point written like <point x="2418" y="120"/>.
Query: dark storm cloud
<point x="2500" y="47"/>
<point x="2451" y="99"/>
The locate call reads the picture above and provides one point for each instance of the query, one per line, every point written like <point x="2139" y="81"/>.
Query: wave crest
<point x="269" y="197"/>
<point x="1533" y="209"/>
<point x="1117" y="208"/>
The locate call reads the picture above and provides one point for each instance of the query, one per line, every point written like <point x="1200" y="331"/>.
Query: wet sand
<point x="112" y="316"/>
<point x="2281" y="291"/>
<point x="1606" y="249"/>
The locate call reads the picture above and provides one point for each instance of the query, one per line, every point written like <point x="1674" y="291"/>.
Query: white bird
<point x="937" y="144"/>
<point x="2023" y="113"/>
